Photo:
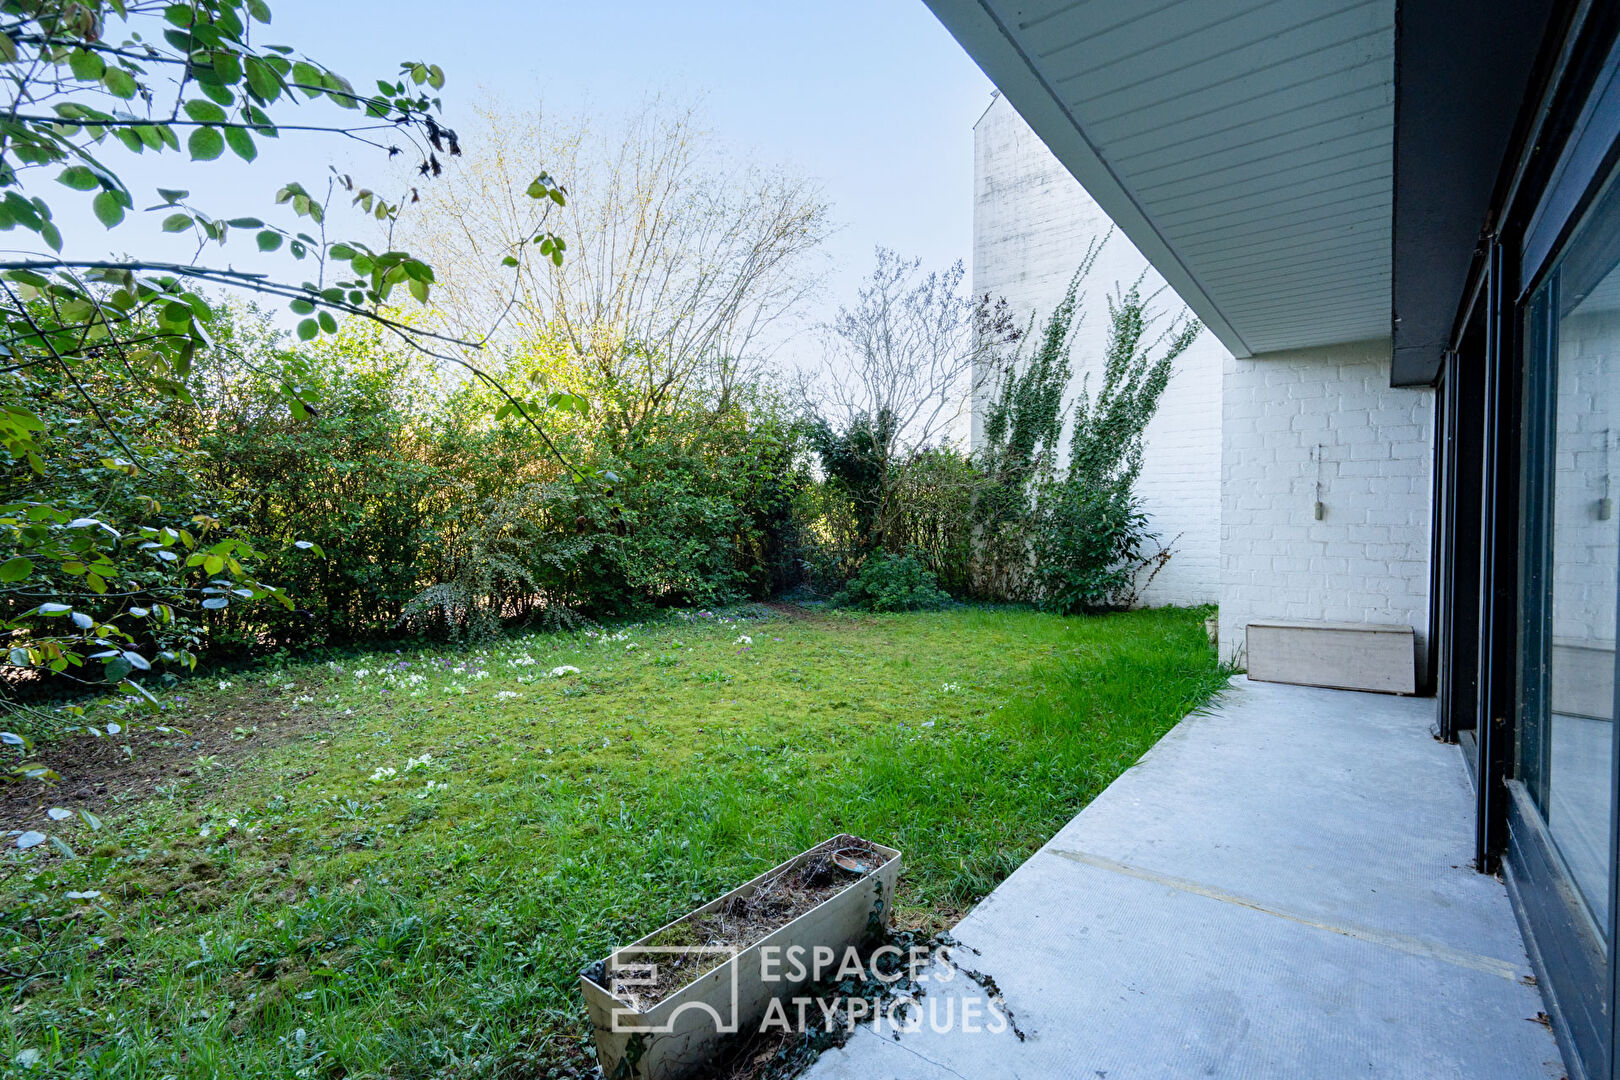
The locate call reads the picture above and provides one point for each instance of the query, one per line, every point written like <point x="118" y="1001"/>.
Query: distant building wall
<point x="1324" y="420"/>
<point x="1032" y="222"/>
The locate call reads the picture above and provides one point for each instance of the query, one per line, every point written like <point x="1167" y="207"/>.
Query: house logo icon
<point x="634" y="973"/>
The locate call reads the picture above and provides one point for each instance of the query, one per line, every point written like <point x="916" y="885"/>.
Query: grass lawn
<point x="396" y="865"/>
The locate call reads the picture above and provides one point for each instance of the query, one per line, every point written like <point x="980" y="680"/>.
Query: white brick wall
<point x="1328" y="413"/>
<point x="1031" y="223"/>
<point x="1587" y="434"/>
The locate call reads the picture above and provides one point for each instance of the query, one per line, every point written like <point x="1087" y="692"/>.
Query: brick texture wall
<point x="1031" y="224"/>
<point x="1324" y="420"/>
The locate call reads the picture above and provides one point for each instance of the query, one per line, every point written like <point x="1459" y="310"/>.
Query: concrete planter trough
<point x="664" y="1006"/>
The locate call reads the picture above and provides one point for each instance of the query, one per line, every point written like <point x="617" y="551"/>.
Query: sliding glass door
<point x="1570" y="566"/>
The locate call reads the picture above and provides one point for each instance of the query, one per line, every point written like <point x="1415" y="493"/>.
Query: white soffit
<point x="1244" y="146"/>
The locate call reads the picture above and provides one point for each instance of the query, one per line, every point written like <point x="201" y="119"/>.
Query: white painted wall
<point x="1031" y="223"/>
<point x="1587" y="449"/>
<point x="1290" y="418"/>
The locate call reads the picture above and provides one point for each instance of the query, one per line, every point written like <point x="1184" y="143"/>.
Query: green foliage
<point x="1088" y="547"/>
<point x="1023" y="425"/>
<point x="931" y="514"/>
<point x="892" y="583"/>
<point x="1079" y="541"/>
<point x="1091" y="538"/>
<point x="117" y="557"/>
<point x="855" y="461"/>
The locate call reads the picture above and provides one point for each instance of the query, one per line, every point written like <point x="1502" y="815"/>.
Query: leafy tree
<point x="83" y="595"/>
<point x="1023" y="425"/>
<point x="901" y="368"/>
<point x="1092" y="535"/>
<point x="682" y="266"/>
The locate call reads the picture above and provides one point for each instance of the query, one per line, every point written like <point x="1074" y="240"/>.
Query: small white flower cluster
<point x="631" y="647"/>
<point x="225" y="684"/>
<point x="384" y="773"/>
<point x="210" y="828"/>
<point x="744" y="639"/>
<point x="566" y="669"/>
<point x="431" y="787"/>
<point x="506" y="695"/>
<point x="950" y="687"/>
<point x="522" y="661"/>
<point x="361" y="673"/>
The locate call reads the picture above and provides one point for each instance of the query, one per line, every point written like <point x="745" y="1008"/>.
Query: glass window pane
<point x="1583" y="557"/>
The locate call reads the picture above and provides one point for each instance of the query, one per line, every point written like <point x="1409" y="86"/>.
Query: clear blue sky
<point x="872" y="98"/>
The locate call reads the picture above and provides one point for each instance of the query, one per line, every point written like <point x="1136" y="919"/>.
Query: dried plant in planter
<point x="826" y="870"/>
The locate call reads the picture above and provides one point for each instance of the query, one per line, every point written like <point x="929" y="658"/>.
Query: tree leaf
<point x="268" y="240"/>
<point x="117" y="669"/>
<point x="241" y="143"/>
<point x="177" y="223"/>
<point x="30" y="839"/>
<point x="120" y="83"/>
<point x="308" y="329"/>
<point x="204" y="112"/>
<point x="205" y="144"/>
<point x="109" y="208"/>
<point x="86" y="65"/>
<point x="262" y="79"/>
<point x="16" y="568"/>
<point x="79" y="178"/>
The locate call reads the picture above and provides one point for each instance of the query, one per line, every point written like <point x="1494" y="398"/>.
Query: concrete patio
<point x="1280" y="888"/>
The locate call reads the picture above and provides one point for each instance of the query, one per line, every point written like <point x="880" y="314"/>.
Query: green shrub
<point x="1089" y="545"/>
<point x="892" y="583"/>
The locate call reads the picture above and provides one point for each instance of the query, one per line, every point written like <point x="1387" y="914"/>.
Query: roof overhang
<point x="1249" y="148"/>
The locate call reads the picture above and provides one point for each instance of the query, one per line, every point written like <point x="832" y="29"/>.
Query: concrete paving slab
<point x="1279" y="889"/>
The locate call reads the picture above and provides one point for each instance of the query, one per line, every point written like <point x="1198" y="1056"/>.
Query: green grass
<point x="289" y="915"/>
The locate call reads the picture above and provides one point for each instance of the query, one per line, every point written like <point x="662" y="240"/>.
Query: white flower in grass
<point x="383" y="773"/>
<point x="225" y="684"/>
<point x="566" y="669"/>
<point x="744" y="639"/>
<point x="506" y="695"/>
<point x="950" y="687"/>
<point x="431" y="787"/>
<point x="631" y="647"/>
<point x="418" y="762"/>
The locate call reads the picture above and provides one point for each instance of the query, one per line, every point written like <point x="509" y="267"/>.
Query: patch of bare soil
<point x="825" y="871"/>
<point x="791" y="612"/>
<point x="100" y="775"/>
